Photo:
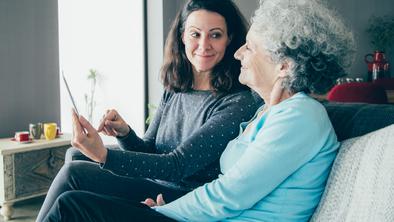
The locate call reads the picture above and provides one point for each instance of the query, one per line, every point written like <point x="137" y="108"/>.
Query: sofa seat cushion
<point x="361" y="184"/>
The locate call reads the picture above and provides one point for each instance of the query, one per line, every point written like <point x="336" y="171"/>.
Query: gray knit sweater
<point x="183" y="143"/>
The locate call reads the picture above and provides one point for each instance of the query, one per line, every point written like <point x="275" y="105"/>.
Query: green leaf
<point x="381" y="32"/>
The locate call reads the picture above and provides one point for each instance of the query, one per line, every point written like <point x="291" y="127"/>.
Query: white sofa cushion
<point x="361" y="183"/>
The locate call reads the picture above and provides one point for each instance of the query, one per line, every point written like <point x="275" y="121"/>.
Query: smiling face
<point x="205" y="38"/>
<point x="258" y="71"/>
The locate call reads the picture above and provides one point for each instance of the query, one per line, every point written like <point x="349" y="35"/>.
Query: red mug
<point x="378" y="66"/>
<point x="22" y="136"/>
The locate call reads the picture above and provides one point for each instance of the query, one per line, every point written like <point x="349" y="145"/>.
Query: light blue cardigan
<point x="277" y="172"/>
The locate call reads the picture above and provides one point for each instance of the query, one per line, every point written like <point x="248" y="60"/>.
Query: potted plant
<point x="381" y="32"/>
<point x="89" y="98"/>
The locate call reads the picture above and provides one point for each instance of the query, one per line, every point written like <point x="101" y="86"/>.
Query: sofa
<point x="361" y="183"/>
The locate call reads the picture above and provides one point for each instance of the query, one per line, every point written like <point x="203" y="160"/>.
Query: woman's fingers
<point x="112" y="124"/>
<point x="105" y="131"/>
<point x="277" y="92"/>
<point x="100" y="128"/>
<point x="78" y="132"/>
<point x="114" y="127"/>
<point x="77" y="128"/>
<point x="150" y="202"/>
<point x="160" y="200"/>
<point x="110" y="115"/>
<point x="109" y="131"/>
<point x="85" y="124"/>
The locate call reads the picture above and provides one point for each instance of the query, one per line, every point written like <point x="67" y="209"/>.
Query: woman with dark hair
<point x="179" y="68"/>
<point x="200" y="111"/>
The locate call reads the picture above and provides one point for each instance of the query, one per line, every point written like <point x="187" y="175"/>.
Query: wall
<point x="29" y="82"/>
<point x="356" y="13"/>
<point x="160" y="15"/>
<point x="247" y="7"/>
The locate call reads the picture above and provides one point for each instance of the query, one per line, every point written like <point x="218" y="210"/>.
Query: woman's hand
<point x="278" y="93"/>
<point x="87" y="139"/>
<point x="112" y="124"/>
<point x="151" y="203"/>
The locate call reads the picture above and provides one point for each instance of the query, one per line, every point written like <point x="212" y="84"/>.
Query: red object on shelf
<point x="358" y="92"/>
<point x="378" y="66"/>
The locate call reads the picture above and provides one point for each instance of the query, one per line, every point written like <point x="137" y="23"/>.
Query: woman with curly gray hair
<point x="277" y="167"/>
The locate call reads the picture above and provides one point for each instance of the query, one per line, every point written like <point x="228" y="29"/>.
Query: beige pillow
<point x="361" y="183"/>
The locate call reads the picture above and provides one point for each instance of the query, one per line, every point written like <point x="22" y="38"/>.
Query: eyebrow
<point x="213" y="29"/>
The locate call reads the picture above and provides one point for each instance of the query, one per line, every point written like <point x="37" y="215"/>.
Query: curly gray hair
<point x="305" y="32"/>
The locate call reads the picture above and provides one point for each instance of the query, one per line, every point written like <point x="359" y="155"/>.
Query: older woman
<point x="277" y="167"/>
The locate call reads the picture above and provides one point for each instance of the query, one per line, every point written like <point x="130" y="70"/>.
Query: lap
<point x="73" y="153"/>
<point x="88" y="176"/>
<point x="87" y="206"/>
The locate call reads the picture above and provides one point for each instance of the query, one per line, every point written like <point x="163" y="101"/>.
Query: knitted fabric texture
<point x="361" y="184"/>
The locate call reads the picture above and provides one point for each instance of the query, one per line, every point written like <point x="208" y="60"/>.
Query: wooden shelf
<point x="7" y="146"/>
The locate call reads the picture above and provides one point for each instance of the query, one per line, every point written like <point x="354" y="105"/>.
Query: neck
<point x="202" y="80"/>
<point x="272" y="98"/>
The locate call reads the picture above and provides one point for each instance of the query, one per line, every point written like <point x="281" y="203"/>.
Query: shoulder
<point x="167" y="95"/>
<point x="242" y="97"/>
<point x="299" y="102"/>
<point x="301" y="109"/>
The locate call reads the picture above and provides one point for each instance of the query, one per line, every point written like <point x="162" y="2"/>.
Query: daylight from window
<point x="101" y="55"/>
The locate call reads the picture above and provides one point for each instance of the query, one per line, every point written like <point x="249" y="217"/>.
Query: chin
<point x="242" y="79"/>
<point x="243" y="82"/>
<point x="204" y="68"/>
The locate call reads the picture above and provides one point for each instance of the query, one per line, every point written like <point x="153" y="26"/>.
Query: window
<point x="106" y="36"/>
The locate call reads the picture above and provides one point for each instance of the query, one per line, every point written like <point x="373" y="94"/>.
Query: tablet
<point x="69" y="93"/>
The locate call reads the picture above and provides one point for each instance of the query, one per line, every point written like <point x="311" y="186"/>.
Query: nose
<point x="238" y="53"/>
<point x="205" y="42"/>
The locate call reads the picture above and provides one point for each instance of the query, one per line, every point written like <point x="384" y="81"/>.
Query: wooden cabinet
<point x="27" y="170"/>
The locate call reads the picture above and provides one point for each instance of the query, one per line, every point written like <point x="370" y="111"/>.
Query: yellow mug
<point x="50" y="131"/>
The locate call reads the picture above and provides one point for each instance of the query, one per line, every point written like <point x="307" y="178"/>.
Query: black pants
<point x="74" y="206"/>
<point x="88" y="176"/>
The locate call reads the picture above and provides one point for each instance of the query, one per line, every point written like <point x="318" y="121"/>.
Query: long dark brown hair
<point x="177" y="72"/>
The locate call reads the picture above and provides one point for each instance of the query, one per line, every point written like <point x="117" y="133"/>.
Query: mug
<point x="22" y="136"/>
<point x="35" y="130"/>
<point x="50" y="131"/>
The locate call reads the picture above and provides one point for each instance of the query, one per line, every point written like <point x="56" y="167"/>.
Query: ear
<point x="284" y="68"/>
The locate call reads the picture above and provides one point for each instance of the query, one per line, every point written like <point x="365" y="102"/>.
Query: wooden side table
<point x="27" y="170"/>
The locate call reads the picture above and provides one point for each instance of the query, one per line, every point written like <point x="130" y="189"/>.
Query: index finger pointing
<point x="111" y="115"/>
